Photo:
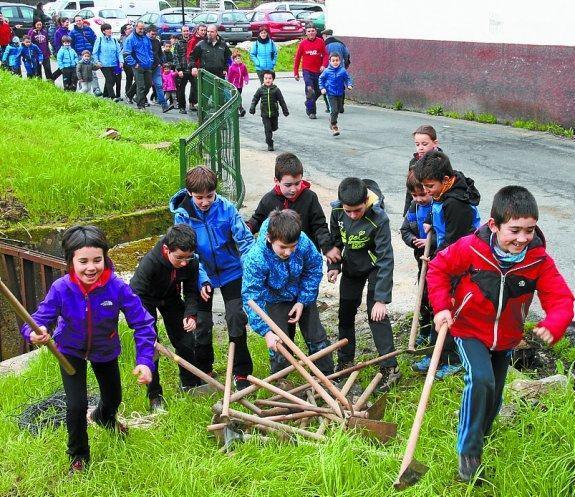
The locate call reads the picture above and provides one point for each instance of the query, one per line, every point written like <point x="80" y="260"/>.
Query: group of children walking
<point x="481" y="281"/>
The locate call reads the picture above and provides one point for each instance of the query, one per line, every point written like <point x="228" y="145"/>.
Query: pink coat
<point x="169" y="80"/>
<point x="238" y="75"/>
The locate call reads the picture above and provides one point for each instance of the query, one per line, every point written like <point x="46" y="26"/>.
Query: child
<point x="270" y="95"/>
<point x="360" y="229"/>
<point x="169" y="78"/>
<point x="332" y="82"/>
<point x="497" y="269"/>
<point x="168" y="55"/>
<point x="84" y="306"/>
<point x="165" y="271"/>
<point x="414" y="236"/>
<point x="67" y="59"/>
<point x="282" y="274"/>
<point x="11" y="56"/>
<point x="84" y="72"/>
<point x="453" y="215"/>
<point x="238" y="76"/>
<point x="425" y="138"/>
<point x="223" y="239"/>
<point x="31" y="56"/>
<point x="293" y="192"/>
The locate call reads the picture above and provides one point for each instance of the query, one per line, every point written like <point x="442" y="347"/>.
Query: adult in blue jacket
<point x="264" y="53"/>
<point x="138" y="54"/>
<point x="282" y="273"/>
<point x="108" y="57"/>
<point x="83" y="38"/>
<point x="223" y="240"/>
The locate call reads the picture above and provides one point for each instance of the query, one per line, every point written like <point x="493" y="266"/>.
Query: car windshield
<point x="112" y="14"/>
<point x="176" y="18"/>
<point x="234" y="17"/>
<point x="281" y="16"/>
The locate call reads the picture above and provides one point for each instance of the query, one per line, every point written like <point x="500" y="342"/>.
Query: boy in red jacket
<point x="312" y="54"/>
<point x="499" y="268"/>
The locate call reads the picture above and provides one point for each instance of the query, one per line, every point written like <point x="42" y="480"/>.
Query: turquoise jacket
<point x="264" y="55"/>
<point x="67" y="57"/>
<point x="107" y="52"/>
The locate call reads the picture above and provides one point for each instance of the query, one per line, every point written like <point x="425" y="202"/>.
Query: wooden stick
<point x="25" y="316"/>
<point x="296" y="407"/>
<point x="216" y="426"/>
<point x="200" y="374"/>
<point x="278" y="391"/>
<point x="228" y="386"/>
<point x="367" y="392"/>
<point x="425" y="393"/>
<point x="349" y="383"/>
<point x="294" y="416"/>
<point x="299" y="353"/>
<point x="420" y="288"/>
<point x="250" y="418"/>
<point x="311" y="380"/>
<point x="284" y="372"/>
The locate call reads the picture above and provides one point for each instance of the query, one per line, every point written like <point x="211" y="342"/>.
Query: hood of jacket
<point x="463" y="189"/>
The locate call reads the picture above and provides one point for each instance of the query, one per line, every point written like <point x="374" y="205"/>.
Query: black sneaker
<point x="241" y="382"/>
<point x="78" y="465"/>
<point x="270" y="147"/>
<point x="183" y="111"/>
<point x="242" y="112"/>
<point x="468" y="467"/>
<point x="118" y="99"/>
<point x="391" y="376"/>
<point x="312" y="116"/>
<point x="157" y="405"/>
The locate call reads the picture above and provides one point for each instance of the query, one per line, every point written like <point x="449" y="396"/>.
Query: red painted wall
<point x="509" y="81"/>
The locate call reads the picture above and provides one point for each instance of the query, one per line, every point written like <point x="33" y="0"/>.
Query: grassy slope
<point x="532" y="456"/>
<point x="55" y="163"/>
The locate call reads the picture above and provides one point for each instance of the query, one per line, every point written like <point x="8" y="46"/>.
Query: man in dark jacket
<point x="158" y="281"/>
<point x="270" y="96"/>
<point x="213" y="53"/>
<point x="138" y="55"/>
<point x="83" y="38"/>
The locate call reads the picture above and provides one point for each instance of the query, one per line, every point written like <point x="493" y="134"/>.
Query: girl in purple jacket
<point x="84" y="306"/>
<point x="238" y="76"/>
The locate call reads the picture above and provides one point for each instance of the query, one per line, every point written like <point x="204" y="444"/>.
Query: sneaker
<point x="270" y="147"/>
<point x="242" y="112"/>
<point x="201" y="390"/>
<point x="118" y="99"/>
<point x="335" y="130"/>
<point x="422" y="365"/>
<point x="157" y="405"/>
<point x="78" y="465"/>
<point x="468" y="467"/>
<point x="312" y="116"/>
<point x="193" y="108"/>
<point x="241" y="382"/>
<point x="98" y="93"/>
<point x="447" y="370"/>
<point x="391" y="376"/>
<point x="183" y="111"/>
<point x="167" y="107"/>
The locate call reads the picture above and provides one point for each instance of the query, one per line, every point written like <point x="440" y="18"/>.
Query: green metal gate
<point x="216" y="142"/>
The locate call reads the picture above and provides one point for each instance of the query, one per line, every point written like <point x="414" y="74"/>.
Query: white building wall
<point x="532" y="22"/>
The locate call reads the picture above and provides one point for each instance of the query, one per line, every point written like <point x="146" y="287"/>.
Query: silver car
<point x="233" y="25"/>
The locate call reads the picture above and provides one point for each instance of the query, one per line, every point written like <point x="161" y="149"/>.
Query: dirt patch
<point x="12" y="209"/>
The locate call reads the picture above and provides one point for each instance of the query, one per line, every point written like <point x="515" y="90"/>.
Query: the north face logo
<point x="107" y="303"/>
<point x="521" y="283"/>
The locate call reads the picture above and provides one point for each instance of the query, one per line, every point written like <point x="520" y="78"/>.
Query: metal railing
<point x="28" y="274"/>
<point x="216" y="142"/>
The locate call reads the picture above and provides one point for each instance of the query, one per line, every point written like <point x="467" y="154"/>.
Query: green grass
<point x="286" y="56"/>
<point x="55" y="163"/>
<point x="531" y="456"/>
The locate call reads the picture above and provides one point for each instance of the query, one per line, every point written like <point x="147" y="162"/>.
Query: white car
<point x="96" y="17"/>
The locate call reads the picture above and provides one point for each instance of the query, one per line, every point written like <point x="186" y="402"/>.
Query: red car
<point x="281" y="26"/>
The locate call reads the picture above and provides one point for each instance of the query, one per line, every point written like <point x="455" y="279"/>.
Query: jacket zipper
<point x="269" y="105"/>
<point x="211" y="246"/>
<point x="463" y="302"/>
<point x="501" y="285"/>
<point x="89" y="319"/>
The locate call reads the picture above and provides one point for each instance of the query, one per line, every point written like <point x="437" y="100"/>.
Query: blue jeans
<point x="157" y="82"/>
<point x="312" y="91"/>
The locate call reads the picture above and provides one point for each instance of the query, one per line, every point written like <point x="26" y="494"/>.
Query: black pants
<point x="143" y="78"/>
<point x="69" y="78"/>
<point x="270" y="125"/>
<point x="108" y="377"/>
<point x="312" y="330"/>
<point x="335" y="105"/>
<point x="350" y="293"/>
<point x="129" y="77"/>
<point x="112" y="82"/>
<point x="182" y="82"/>
<point x="236" y="321"/>
<point x="241" y="103"/>
<point x="47" y="68"/>
<point x="485" y="372"/>
<point x="173" y="314"/>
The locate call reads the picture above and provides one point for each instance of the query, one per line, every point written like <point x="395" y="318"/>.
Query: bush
<point x="398" y="105"/>
<point x="435" y="110"/>
<point x="452" y="114"/>
<point x="469" y="115"/>
<point x="486" y="118"/>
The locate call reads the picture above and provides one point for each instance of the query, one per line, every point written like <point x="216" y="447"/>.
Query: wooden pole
<point x="228" y="384"/>
<point x="420" y="288"/>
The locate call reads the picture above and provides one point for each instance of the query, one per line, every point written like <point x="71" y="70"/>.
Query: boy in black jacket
<point x="360" y="229"/>
<point x="270" y="95"/>
<point x="293" y="192"/>
<point x="158" y="281"/>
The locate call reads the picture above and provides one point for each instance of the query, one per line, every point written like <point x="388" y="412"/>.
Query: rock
<point x="111" y="134"/>
<point x="534" y="389"/>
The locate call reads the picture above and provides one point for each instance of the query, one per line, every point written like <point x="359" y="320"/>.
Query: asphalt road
<point x="377" y="143"/>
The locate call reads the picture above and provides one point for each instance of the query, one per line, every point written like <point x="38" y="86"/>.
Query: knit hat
<point x="15" y="40"/>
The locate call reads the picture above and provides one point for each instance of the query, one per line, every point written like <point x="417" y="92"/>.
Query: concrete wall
<point x="514" y="59"/>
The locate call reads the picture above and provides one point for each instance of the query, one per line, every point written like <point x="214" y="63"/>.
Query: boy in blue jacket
<point x="223" y="240"/>
<point x="67" y="59"/>
<point x="31" y="56"/>
<point x="282" y="275"/>
<point x="11" y="56"/>
<point x="332" y="82"/>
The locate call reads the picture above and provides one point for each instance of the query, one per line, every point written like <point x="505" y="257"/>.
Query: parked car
<point x="294" y="7"/>
<point x="137" y="8"/>
<point x="67" y="8"/>
<point x="20" y="17"/>
<point x="233" y="25"/>
<point x="168" y="24"/>
<point x="281" y="26"/>
<point x="316" y="18"/>
<point x="191" y="11"/>
<point x="95" y="18"/>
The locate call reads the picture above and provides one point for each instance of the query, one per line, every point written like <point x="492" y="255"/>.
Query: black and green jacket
<point x="365" y="243"/>
<point x="270" y="97"/>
